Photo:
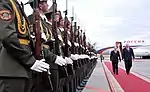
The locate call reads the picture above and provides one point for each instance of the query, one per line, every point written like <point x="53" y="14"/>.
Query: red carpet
<point x="129" y="83"/>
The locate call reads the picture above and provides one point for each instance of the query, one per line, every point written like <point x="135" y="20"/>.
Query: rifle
<point x="45" y="77"/>
<point x="75" y="36"/>
<point x="62" y="69"/>
<point x="78" y="48"/>
<point x="73" y="40"/>
<point x="84" y="42"/>
<point x="72" y="37"/>
<point x="78" y="39"/>
<point x="66" y="34"/>
<point x="80" y="42"/>
<point x="66" y="48"/>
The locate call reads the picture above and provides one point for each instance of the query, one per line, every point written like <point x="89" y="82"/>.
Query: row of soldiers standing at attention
<point x="42" y="52"/>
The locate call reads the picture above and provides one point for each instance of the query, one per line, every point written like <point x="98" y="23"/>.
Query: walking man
<point x="114" y="58"/>
<point x="127" y="56"/>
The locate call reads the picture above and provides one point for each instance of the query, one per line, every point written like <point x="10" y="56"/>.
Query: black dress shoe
<point x="127" y="73"/>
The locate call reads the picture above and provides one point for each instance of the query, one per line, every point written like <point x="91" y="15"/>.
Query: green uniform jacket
<point x="48" y="54"/>
<point x="15" y="58"/>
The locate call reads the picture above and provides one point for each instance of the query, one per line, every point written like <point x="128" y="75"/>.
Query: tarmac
<point x="103" y="80"/>
<point x="98" y="81"/>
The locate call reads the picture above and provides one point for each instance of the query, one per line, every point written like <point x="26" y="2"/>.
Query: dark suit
<point x="127" y="56"/>
<point x="114" y="58"/>
<point x="101" y="57"/>
<point x="15" y="52"/>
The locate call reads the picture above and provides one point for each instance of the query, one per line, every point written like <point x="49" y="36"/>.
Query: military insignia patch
<point x="5" y="15"/>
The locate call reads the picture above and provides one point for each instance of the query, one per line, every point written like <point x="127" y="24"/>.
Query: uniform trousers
<point x="8" y="84"/>
<point x="55" y="79"/>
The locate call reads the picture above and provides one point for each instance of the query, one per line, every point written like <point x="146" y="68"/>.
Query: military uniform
<point x="54" y="67"/>
<point x="63" y="71"/>
<point x="47" y="50"/>
<point x="49" y="56"/>
<point x="15" y="53"/>
<point x="44" y="30"/>
<point x="55" y="75"/>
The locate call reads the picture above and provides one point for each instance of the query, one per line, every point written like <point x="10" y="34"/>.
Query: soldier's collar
<point x="43" y="17"/>
<point x="61" y="29"/>
<point x="49" y="22"/>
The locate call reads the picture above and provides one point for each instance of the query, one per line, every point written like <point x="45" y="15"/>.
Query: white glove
<point x="69" y="43"/>
<point x="60" y="61"/>
<point x="87" y="56"/>
<point x="43" y="36"/>
<point x="74" y="57"/>
<point x="77" y="56"/>
<point x="81" y="56"/>
<point x="92" y="57"/>
<point x="75" y="44"/>
<point x="69" y="61"/>
<point x="40" y="66"/>
<point x="32" y="36"/>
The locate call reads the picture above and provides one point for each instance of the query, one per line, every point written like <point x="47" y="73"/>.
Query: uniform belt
<point x="24" y="41"/>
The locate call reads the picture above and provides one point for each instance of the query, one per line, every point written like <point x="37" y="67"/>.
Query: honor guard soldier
<point x="54" y="67"/>
<point x="57" y="77"/>
<point x="63" y="30"/>
<point x="16" y="59"/>
<point x="47" y="38"/>
<point x="45" y="32"/>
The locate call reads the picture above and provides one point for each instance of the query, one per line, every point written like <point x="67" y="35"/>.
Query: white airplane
<point x="139" y="52"/>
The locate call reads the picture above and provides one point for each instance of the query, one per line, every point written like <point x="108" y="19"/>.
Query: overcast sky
<point x="107" y="21"/>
